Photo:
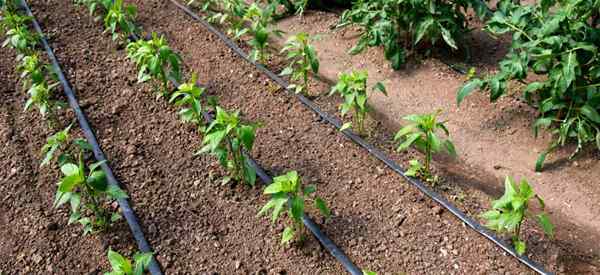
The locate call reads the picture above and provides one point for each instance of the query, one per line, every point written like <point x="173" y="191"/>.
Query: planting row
<point x="255" y="23"/>
<point x="227" y="136"/>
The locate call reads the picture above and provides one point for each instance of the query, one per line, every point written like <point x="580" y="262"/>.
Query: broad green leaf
<point x="547" y="226"/>
<point x="467" y="89"/>
<point x="297" y="207"/>
<point x="69" y="169"/>
<point x="288" y="235"/>
<point x="590" y="113"/>
<point x="322" y="206"/>
<point x="119" y="263"/>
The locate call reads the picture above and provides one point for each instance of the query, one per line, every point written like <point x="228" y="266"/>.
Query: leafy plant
<point x="558" y="42"/>
<point x="189" y="94"/>
<point x="18" y="35"/>
<point x="388" y="23"/>
<point x="40" y="95"/>
<point x="303" y="59"/>
<point x="123" y="266"/>
<point x="62" y="147"/>
<point x="227" y="138"/>
<point x="95" y="5"/>
<point x="353" y="88"/>
<point x="509" y="212"/>
<point x="87" y="183"/>
<point x="422" y="132"/>
<point x="32" y="71"/>
<point x="260" y="20"/>
<point x="155" y="59"/>
<point x="287" y="193"/>
<point x="122" y="17"/>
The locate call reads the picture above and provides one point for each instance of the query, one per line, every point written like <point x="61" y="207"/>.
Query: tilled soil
<point x="195" y="224"/>
<point x="34" y="237"/>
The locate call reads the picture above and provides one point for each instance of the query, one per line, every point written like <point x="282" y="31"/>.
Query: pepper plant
<point x="260" y="21"/>
<point x="303" y="59"/>
<point x="510" y="211"/>
<point x="18" y="36"/>
<point x="422" y="133"/>
<point x="287" y="193"/>
<point x="400" y="25"/>
<point x="32" y="71"/>
<point x="155" y="60"/>
<point x="123" y="266"/>
<point x="189" y="94"/>
<point x="353" y="88"/>
<point x="60" y="146"/>
<point x="84" y="186"/>
<point x="554" y="56"/>
<point x="95" y="5"/>
<point x="227" y="138"/>
<point x="122" y="17"/>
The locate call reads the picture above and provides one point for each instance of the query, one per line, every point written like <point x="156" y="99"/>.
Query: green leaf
<point x="97" y="180"/>
<point x="447" y="36"/>
<point x="408" y="141"/>
<point x="346" y="126"/>
<point x="539" y="163"/>
<point x="380" y="87"/>
<point x="322" y="206"/>
<point x="309" y="189"/>
<point x="119" y="263"/>
<point x="467" y="89"/>
<point x="142" y="261"/>
<point x="547" y="226"/>
<point x="297" y="207"/>
<point x="520" y="246"/>
<point x="68" y="183"/>
<point x="288" y="235"/>
<point x="69" y="169"/>
<point x="590" y="113"/>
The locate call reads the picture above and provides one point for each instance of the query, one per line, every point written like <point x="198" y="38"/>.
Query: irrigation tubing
<point x="377" y="153"/>
<point x="88" y="132"/>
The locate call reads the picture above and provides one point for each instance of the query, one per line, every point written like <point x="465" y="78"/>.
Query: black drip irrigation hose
<point x="377" y="153"/>
<point x="331" y="247"/>
<point x="88" y="132"/>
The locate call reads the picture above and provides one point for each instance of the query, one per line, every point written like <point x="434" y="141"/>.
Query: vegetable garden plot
<point x="492" y="139"/>
<point x="192" y="43"/>
<point x="237" y="265"/>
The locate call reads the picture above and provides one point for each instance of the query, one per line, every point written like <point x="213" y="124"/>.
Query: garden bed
<point x="195" y="224"/>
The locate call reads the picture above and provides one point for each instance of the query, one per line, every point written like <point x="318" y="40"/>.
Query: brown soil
<point x="35" y="238"/>
<point x="195" y="224"/>
<point x="493" y="140"/>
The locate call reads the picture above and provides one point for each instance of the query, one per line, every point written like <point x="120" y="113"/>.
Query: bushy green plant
<point x="303" y="59"/>
<point x="119" y="20"/>
<point x="18" y="36"/>
<point x="86" y="187"/>
<point x="31" y="70"/>
<point x="260" y="21"/>
<point x="123" y="266"/>
<point x="155" y="60"/>
<point x="422" y="133"/>
<point x="557" y="43"/>
<point x="190" y="95"/>
<point x="391" y="23"/>
<point x="509" y="212"/>
<point x="287" y="193"/>
<point x="227" y="138"/>
<point x="353" y="88"/>
<point x="61" y="147"/>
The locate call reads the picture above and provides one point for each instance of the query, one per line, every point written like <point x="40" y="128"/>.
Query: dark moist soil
<point x="34" y="237"/>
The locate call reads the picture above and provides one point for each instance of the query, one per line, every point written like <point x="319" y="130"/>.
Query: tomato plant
<point x="422" y="132"/>
<point x="509" y="212"/>
<point x="288" y="193"/>
<point x="123" y="266"/>
<point x="353" y="88"/>
<point x="303" y="59"/>
<point x="391" y="23"/>
<point x="190" y="95"/>
<point x="155" y="59"/>
<point x="227" y="138"/>
<point x="554" y="51"/>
